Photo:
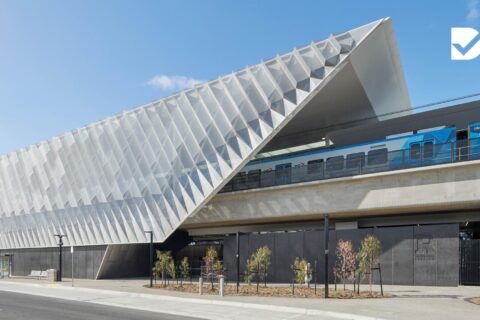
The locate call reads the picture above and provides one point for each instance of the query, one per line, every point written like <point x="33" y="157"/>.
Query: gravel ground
<point x="270" y="291"/>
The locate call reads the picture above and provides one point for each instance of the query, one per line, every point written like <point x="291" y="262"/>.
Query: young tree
<point x="302" y="270"/>
<point x="258" y="263"/>
<point x="171" y="269"/>
<point x="163" y="263"/>
<point x="184" y="269"/>
<point x="368" y="256"/>
<point x="345" y="264"/>
<point x="212" y="265"/>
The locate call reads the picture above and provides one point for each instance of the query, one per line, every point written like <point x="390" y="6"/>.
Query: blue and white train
<point x="422" y="147"/>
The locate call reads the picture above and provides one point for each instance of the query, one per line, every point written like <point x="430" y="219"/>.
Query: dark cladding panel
<point x="90" y="274"/>
<point x="403" y="258"/>
<point x="229" y="259"/>
<point x="244" y="251"/>
<point x="314" y="247"/>
<point x="18" y="262"/>
<point x="66" y="263"/>
<point x="447" y="255"/>
<point x="354" y="235"/>
<point x="425" y="255"/>
<point x="397" y="255"/>
<point x="82" y="263"/>
<point x="295" y="246"/>
<point x="282" y="258"/>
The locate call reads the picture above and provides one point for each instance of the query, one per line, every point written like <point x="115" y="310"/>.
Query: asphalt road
<point x="17" y="306"/>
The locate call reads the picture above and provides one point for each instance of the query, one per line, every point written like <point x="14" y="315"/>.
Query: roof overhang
<point x="368" y="87"/>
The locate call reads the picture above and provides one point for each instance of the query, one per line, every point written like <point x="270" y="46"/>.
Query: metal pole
<point x="238" y="261"/>
<point x="151" y="259"/>
<point x="71" y="251"/>
<point x="150" y="269"/>
<point x="60" y="245"/>
<point x="381" y="283"/>
<point x="326" y="254"/>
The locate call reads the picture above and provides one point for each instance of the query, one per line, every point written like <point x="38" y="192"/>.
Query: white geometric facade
<point x="152" y="167"/>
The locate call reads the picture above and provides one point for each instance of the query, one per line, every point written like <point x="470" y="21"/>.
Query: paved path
<point x="181" y="306"/>
<point x="15" y="306"/>
<point x="409" y="303"/>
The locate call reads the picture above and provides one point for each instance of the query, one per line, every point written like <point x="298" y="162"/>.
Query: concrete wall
<point x="86" y="261"/>
<point x="411" y="255"/>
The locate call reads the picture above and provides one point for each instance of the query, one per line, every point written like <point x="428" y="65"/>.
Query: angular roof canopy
<point x="154" y="166"/>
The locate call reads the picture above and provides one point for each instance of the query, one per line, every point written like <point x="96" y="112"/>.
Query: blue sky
<point x="64" y="64"/>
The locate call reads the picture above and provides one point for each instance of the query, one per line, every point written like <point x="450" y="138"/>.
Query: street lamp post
<point x="326" y="254"/>
<point x="60" y="245"/>
<point x="151" y="257"/>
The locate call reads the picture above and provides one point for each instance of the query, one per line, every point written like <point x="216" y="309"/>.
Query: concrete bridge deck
<point x="432" y="189"/>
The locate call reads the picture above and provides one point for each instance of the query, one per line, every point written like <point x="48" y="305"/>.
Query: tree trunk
<point x="370" y="279"/>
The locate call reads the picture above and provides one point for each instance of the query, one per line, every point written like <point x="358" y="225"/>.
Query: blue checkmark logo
<point x="465" y="44"/>
<point x="468" y="47"/>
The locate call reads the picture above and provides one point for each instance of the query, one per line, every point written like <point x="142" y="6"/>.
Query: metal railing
<point x="350" y="166"/>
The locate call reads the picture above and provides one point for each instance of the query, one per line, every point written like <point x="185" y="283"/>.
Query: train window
<point x="415" y="150"/>
<point x="355" y="160"/>
<point x="241" y="177"/>
<point x="283" y="166"/>
<point x="335" y="163"/>
<point x="254" y="175"/>
<point x="377" y="156"/>
<point x="314" y="166"/>
<point x="428" y="149"/>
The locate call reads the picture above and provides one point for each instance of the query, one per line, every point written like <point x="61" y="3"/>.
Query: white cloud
<point x="473" y="13"/>
<point x="172" y="83"/>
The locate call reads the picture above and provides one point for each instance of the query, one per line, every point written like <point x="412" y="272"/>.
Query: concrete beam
<point x="446" y="187"/>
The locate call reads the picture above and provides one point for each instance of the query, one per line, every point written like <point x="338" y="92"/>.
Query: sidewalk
<point x="408" y="302"/>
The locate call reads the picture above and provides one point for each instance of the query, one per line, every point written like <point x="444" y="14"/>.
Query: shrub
<point x="345" y="264"/>
<point x="163" y="265"/>
<point x="184" y="268"/>
<point x="258" y="263"/>
<point x="212" y="265"/>
<point x="368" y="256"/>
<point x="301" y="268"/>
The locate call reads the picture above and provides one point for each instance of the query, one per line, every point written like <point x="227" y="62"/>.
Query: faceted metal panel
<point x="152" y="167"/>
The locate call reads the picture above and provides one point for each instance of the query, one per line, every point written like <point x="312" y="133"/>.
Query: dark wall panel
<point x="86" y="260"/>
<point x="281" y="258"/>
<point x="420" y="255"/>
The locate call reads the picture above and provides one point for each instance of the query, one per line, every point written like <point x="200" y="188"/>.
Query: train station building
<point x="262" y="154"/>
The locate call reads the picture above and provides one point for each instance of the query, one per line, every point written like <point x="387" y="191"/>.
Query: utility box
<point x="52" y="275"/>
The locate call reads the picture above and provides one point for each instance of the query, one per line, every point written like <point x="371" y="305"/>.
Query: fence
<point x="357" y="164"/>
<point x="470" y="262"/>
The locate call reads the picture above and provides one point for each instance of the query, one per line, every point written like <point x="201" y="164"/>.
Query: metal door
<point x="470" y="262"/>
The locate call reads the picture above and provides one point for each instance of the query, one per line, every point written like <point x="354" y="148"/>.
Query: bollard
<point x="200" y="286"/>
<point x="222" y="287"/>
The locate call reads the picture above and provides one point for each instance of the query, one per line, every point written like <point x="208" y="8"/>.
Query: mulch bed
<point x="475" y="300"/>
<point x="301" y="291"/>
